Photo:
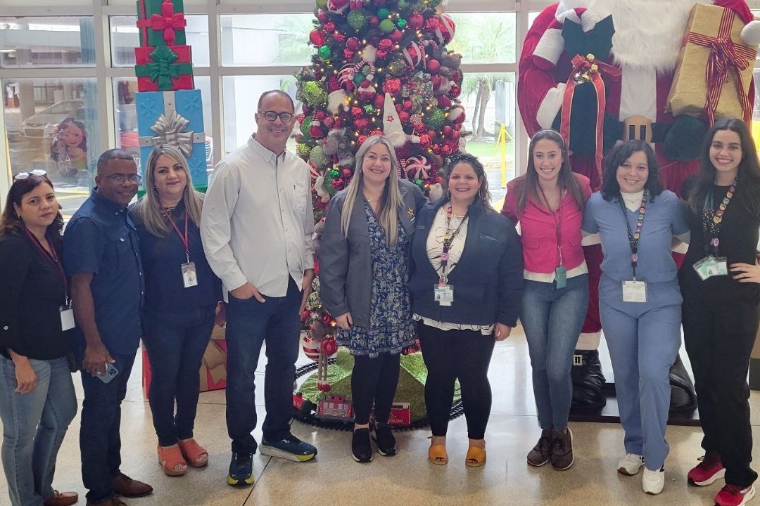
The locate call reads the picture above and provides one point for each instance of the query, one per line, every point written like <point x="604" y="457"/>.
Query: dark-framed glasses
<point x="25" y="175"/>
<point x="120" y="178"/>
<point x="273" y="115"/>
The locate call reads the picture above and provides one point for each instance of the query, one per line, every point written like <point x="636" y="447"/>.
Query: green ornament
<point x="303" y="150"/>
<point x="305" y="127"/>
<point x="382" y="13"/>
<point x="434" y="119"/>
<point x="387" y="26"/>
<point x="314" y="93"/>
<point x="401" y="23"/>
<point x="403" y="4"/>
<point x="321" y="4"/>
<point x="419" y="182"/>
<point x="324" y="52"/>
<point x="369" y="109"/>
<point x="318" y="157"/>
<point x="356" y="19"/>
<point x="359" y="78"/>
<point x="333" y="174"/>
<point x="397" y="67"/>
<point x="328" y="187"/>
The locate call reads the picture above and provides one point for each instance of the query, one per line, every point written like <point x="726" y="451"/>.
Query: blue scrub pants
<point x="643" y="339"/>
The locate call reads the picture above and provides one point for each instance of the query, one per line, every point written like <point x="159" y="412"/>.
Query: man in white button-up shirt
<point x="256" y="227"/>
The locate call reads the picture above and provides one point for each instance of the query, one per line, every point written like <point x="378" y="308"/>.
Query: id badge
<point x="634" y="291"/>
<point x="711" y="266"/>
<point x="67" y="317"/>
<point x="443" y="294"/>
<point x="560" y="277"/>
<point x="189" y="275"/>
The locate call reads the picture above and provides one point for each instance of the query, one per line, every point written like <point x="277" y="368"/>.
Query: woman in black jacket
<point x="363" y="262"/>
<point x="466" y="287"/>
<point x="37" y="400"/>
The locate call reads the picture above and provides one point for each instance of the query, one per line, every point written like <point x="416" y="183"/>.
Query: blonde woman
<point x="363" y="274"/>
<point x="181" y="297"/>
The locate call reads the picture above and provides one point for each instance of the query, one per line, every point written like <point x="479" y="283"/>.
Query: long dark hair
<point x="617" y="157"/>
<point x="749" y="167"/>
<point x="11" y="223"/>
<point x="484" y="196"/>
<point x="527" y="184"/>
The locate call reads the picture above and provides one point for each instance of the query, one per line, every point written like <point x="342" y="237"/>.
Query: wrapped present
<point x="714" y="67"/>
<point x="164" y="68"/>
<point x="161" y="22"/>
<point x="214" y="364"/>
<point x="174" y="117"/>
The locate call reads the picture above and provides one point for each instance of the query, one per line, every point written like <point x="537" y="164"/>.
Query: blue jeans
<point x="99" y="440"/>
<point x="176" y="344"/>
<point x="552" y="319"/>
<point x="34" y="425"/>
<point x="251" y="323"/>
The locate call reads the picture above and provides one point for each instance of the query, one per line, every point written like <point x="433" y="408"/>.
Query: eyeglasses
<point x="273" y="115"/>
<point x="120" y="178"/>
<point x="25" y="175"/>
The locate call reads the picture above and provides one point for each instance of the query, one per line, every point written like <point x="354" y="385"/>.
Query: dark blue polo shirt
<point x="101" y="239"/>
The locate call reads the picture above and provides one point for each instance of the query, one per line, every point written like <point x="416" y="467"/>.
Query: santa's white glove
<point x="751" y="33"/>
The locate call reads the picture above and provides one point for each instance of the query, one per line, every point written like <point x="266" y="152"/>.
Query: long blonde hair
<point x="149" y="207"/>
<point x="390" y="202"/>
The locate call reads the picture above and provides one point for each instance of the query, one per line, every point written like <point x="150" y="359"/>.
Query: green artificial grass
<point x="411" y="383"/>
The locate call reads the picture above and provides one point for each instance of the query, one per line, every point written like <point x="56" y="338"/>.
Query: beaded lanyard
<point x="712" y="219"/>
<point x="448" y="238"/>
<point x="633" y="237"/>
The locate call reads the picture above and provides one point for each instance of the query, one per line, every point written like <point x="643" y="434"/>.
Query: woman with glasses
<point x="466" y="285"/>
<point x="37" y="400"/>
<point x="181" y="302"/>
<point x="364" y="269"/>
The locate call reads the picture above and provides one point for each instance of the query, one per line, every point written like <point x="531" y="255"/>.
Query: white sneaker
<point x="652" y="482"/>
<point x="630" y="464"/>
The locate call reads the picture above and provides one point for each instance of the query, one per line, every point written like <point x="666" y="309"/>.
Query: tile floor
<point x="333" y="478"/>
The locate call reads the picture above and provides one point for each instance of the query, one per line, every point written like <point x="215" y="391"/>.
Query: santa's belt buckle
<point x="578" y="360"/>
<point x="637" y="128"/>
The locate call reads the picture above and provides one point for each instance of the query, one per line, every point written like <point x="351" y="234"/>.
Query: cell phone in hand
<point x="110" y="373"/>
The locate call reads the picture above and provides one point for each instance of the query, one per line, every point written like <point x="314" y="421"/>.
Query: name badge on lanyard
<point x="443" y="294"/>
<point x="712" y="264"/>
<point x="67" y="317"/>
<point x="634" y="290"/>
<point x="189" y="273"/>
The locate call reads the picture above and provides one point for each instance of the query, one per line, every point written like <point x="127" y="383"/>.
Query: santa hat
<point x="550" y="46"/>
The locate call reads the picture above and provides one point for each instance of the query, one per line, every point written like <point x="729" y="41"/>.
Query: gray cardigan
<point x="345" y="263"/>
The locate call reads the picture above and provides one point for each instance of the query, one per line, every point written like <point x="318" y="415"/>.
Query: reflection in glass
<point x="485" y="37"/>
<point x="277" y="39"/>
<point x="46" y="42"/>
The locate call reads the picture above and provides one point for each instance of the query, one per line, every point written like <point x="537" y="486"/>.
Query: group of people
<point x="393" y="267"/>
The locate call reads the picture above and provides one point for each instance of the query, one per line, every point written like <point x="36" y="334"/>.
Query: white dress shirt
<point x="258" y="220"/>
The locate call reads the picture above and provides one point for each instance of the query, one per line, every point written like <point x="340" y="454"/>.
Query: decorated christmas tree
<point x="381" y="66"/>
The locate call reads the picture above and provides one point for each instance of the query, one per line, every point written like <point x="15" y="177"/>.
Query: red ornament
<point x="329" y="121"/>
<point x="424" y="140"/>
<point x="403" y="116"/>
<point x="339" y="37"/>
<point x="320" y="115"/>
<point x="376" y="132"/>
<point x="396" y="36"/>
<point x="416" y="20"/>
<point x="373" y="21"/>
<point x="322" y="16"/>
<point x="433" y="66"/>
<point x="398" y="107"/>
<point x="444" y="101"/>
<point x="348" y="54"/>
<point x="346" y="173"/>
<point x="316" y="37"/>
<point x="329" y="27"/>
<point x="392" y="86"/>
<point x="316" y="132"/>
<point x="447" y="130"/>
<point x="437" y="149"/>
<point x="455" y="135"/>
<point x="333" y="84"/>
<point x="357" y="111"/>
<point x="381" y="54"/>
<point x="379" y="101"/>
<point x="455" y="91"/>
<point x="361" y="123"/>
<point x="361" y="140"/>
<point x="329" y="347"/>
<point x="419" y="128"/>
<point x="408" y="105"/>
<point x="353" y="44"/>
<point x="338" y="184"/>
<point x="436" y="81"/>
<point x="446" y="150"/>
<point x="431" y="24"/>
<point x="385" y="44"/>
<point x="431" y="134"/>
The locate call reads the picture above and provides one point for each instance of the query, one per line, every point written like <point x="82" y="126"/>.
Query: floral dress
<point x="390" y="323"/>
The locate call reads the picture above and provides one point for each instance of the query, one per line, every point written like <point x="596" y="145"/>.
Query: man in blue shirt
<point x="102" y="257"/>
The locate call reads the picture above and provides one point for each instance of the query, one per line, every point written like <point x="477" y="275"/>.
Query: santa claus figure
<point x="635" y="44"/>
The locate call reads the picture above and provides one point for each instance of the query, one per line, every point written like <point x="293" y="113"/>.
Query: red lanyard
<point x="51" y="257"/>
<point x="184" y="238"/>
<point x="557" y="218"/>
<point x="448" y="238"/>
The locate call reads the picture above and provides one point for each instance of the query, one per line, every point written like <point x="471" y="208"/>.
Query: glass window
<point x="47" y="42"/>
<point x="489" y="101"/>
<point x="278" y="39"/>
<point x="52" y="125"/>
<point x="125" y="38"/>
<point x="485" y="37"/>
<point x="127" y="137"/>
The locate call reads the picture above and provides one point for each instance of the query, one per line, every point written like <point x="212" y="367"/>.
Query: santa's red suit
<point x="645" y="45"/>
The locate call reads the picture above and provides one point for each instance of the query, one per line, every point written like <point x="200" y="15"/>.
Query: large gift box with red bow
<point x="173" y="117"/>
<point x="161" y="22"/>
<point x="714" y="67"/>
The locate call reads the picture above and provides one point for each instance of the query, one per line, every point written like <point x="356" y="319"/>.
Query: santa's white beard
<point x="648" y="33"/>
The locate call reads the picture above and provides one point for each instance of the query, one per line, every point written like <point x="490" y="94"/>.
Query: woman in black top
<point x="720" y="283"/>
<point x="37" y="400"/>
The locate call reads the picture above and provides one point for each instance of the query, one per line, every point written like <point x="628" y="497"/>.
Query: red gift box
<point x="164" y="68"/>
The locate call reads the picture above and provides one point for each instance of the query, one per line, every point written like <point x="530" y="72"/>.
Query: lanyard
<point x="184" y="238"/>
<point x="633" y="238"/>
<point x="51" y="257"/>
<point x="557" y="218"/>
<point x="712" y="218"/>
<point x="448" y="238"/>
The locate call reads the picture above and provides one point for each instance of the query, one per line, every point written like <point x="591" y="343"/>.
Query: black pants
<point x="719" y="338"/>
<point x="374" y="380"/>
<point x="452" y="354"/>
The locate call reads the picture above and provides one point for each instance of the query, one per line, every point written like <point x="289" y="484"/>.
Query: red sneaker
<point x="707" y="471"/>
<point x="733" y="495"/>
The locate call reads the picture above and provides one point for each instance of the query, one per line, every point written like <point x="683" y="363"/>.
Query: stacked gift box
<point x="170" y="111"/>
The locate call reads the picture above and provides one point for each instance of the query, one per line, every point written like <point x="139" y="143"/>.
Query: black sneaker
<point x="386" y="443"/>
<point x="241" y="469"/>
<point x="361" y="447"/>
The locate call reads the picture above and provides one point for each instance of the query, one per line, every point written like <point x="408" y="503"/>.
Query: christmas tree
<point x="381" y="66"/>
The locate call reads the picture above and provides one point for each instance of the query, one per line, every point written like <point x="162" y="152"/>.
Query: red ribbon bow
<point x="167" y="22"/>
<point x="725" y="57"/>
<point x="588" y="69"/>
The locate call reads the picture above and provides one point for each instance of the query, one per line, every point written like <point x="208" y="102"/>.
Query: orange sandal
<point x="437" y="455"/>
<point x="476" y="457"/>
<point x="170" y="458"/>
<point x="195" y="454"/>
